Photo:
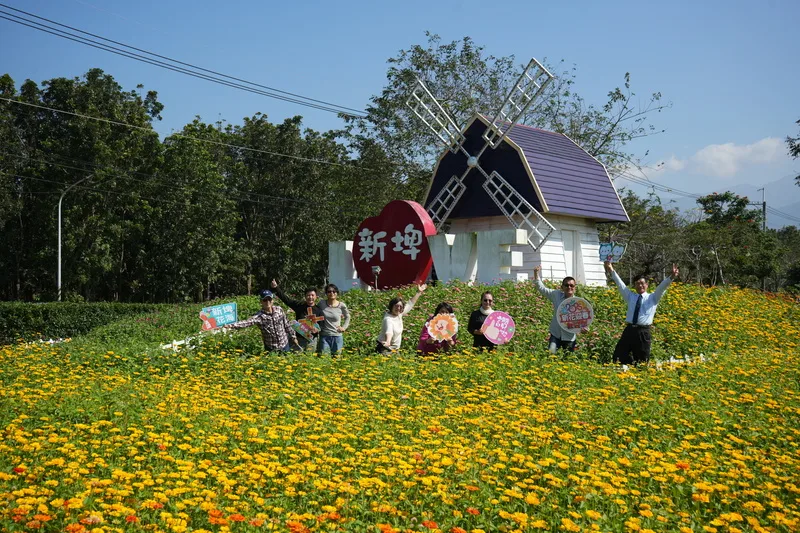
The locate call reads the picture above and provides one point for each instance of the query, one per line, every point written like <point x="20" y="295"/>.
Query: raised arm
<point x="541" y="287"/>
<point x="621" y="287"/>
<point x="282" y="295"/>
<point x="662" y="287"/>
<point x="410" y="304"/>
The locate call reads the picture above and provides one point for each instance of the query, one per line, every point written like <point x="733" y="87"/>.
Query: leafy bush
<point x="25" y="321"/>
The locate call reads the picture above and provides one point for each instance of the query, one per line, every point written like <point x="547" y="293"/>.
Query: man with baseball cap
<point x="275" y="330"/>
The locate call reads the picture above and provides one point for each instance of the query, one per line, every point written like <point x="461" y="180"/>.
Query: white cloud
<point x="672" y="164"/>
<point x="726" y="160"/>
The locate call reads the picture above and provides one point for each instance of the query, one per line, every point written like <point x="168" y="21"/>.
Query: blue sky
<point x="730" y="69"/>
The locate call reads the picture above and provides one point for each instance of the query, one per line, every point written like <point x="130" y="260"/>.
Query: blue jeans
<point x="330" y="344"/>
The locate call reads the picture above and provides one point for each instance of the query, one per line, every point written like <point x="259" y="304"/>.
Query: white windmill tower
<point x="511" y="203"/>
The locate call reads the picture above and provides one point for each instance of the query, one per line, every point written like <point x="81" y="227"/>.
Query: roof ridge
<point x="518" y="125"/>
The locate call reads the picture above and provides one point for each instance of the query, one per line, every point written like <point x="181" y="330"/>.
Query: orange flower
<point x="683" y="465"/>
<point x="297" y="527"/>
<point x="131" y="519"/>
<point x="256" y="522"/>
<point x="33" y="524"/>
<point x="457" y="530"/>
<point x="236" y="517"/>
<point x="473" y="511"/>
<point x="74" y="528"/>
<point x="214" y="513"/>
<point x="472" y="488"/>
<point x="430" y="524"/>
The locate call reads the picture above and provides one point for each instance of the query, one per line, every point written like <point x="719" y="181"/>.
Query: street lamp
<point x="59" y="229"/>
<point x="376" y="270"/>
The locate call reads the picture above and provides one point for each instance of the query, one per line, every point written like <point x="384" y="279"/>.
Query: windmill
<point x="519" y="212"/>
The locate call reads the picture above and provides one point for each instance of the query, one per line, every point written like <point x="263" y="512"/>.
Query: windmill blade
<point x="447" y="199"/>
<point x="518" y="210"/>
<point x="423" y="104"/>
<point x="529" y="86"/>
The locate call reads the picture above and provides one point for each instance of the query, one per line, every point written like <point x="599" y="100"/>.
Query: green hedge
<point x="28" y="321"/>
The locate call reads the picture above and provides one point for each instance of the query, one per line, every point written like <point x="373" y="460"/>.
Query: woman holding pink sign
<point x="439" y="332"/>
<point x="476" y="322"/>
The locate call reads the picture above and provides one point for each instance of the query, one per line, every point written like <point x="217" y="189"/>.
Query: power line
<point x="781" y="214"/>
<point x="137" y="57"/>
<point x="210" y="76"/>
<point x="154" y="179"/>
<point x="120" y="193"/>
<point x="663" y="188"/>
<point x="210" y="141"/>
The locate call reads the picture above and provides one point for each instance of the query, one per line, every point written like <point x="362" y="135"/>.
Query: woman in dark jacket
<point x="476" y="320"/>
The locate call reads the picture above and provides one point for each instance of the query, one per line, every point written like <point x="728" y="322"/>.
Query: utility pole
<point x="763" y="225"/>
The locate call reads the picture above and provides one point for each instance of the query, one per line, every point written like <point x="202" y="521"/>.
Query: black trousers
<point x="634" y="345"/>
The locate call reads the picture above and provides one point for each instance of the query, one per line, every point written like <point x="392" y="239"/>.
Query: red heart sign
<point x="397" y="242"/>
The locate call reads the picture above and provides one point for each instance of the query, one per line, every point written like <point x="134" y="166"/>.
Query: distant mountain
<point x="781" y="195"/>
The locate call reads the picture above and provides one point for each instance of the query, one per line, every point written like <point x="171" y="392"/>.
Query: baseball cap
<point x="266" y="294"/>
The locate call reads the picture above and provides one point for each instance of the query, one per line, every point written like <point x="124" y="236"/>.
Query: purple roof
<point x="572" y="182"/>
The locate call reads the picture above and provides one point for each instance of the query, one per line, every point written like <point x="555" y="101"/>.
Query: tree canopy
<point x="218" y="209"/>
<point x="466" y="80"/>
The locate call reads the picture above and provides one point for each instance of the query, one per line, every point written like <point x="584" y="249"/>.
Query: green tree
<point x="56" y="150"/>
<point x="789" y="263"/>
<point x="191" y="225"/>
<point x="793" y="143"/>
<point x="729" y="243"/>
<point x="465" y="79"/>
<point x="652" y="237"/>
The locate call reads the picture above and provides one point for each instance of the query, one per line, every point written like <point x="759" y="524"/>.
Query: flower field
<point x="110" y="433"/>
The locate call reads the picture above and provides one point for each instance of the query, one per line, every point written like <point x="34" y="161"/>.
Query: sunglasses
<point x="568" y="285"/>
<point x="330" y="292"/>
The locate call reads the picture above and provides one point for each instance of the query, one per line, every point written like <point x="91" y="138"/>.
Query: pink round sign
<point x="498" y="328"/>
